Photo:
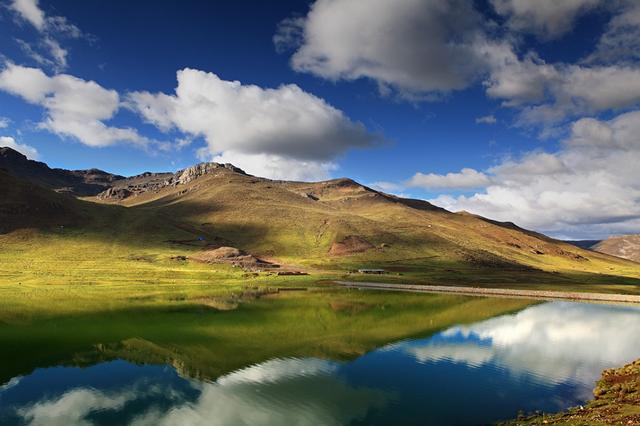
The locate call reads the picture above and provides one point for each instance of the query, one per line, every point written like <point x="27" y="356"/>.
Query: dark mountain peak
<point x="7" y="152"/>
<point x="77" y="182"/>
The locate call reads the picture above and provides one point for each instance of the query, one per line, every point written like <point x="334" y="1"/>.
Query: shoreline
<point x="616" y="401"/>
<point x="495" y="292"/>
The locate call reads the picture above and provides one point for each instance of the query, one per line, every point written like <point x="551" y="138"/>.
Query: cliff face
<point x="193" y="172"/>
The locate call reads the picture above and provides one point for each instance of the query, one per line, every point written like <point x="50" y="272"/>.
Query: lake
<point x="541" y="357"/>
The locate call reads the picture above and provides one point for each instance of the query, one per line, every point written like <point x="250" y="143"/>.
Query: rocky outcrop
<point x="115" y="194"/>
<point x="194" y="172"/>
<point x="146" y="182"/>
<point x="234" y="257"/>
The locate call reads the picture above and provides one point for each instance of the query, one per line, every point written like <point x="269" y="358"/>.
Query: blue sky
<point x="517" y="110"/>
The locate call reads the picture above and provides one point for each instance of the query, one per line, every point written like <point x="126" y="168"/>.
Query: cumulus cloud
<point x="620" y="42"/>
<point x="519" y="80"/>
<point x="486" y="119"/>
<point x="549" y="93"/>
<point x="49" y="28"/>
<point x="73" y="107"/>
<point x="466" y="179"/>
<point x="29" y="151"/>
<point x="4" y="122"/>
<point x="590" y="187"/>
<point x="426" y="48"/>
<point x="546" y="18"/>
<point x="414" y="46"/>
<point x="281" y="132"/>
<point x="277" y="166"/>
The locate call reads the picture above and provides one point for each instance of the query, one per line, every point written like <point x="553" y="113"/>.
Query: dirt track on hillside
<point x="495" y="292"/>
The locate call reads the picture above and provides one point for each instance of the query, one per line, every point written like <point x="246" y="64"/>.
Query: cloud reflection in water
<point x="554" y="342"/>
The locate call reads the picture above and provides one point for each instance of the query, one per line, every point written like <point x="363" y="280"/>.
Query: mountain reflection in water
<point x="545" y="357"/>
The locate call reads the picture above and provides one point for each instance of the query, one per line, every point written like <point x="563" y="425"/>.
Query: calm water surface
<point x="546" y="357"/>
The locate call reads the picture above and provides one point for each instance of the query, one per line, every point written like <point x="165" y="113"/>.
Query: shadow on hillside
<point x="139" y="227"/>
<point x="434" y="270"/>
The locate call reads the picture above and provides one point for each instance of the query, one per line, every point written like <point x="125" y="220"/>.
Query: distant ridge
<point x="76" y="182"/>
<point x="585" y="244"/>
<point x="624" y="246"/>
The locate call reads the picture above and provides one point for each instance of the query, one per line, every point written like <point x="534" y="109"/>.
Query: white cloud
<point x="589" y="188"/>
<point x="550" y="93"/>
<point x="621" y="40"/>
<point x="415" y="46"/>
<point x="277" y="166"/>
<point x="546" y="18"/>
<point x="389" y="187"/>
<point x="58" y="53"/>
<point x="49" y="28"/>
<point x="283" y="132"/>
<point x="466" y="179"/>
<point x="519" y="81"/>
<point x="486" y="119"/>
<point x="601" y="88"/>
<point x="34" y="54"/>
<point x="289" y="34"/>
<point x="29" y="151"/>
<point x="74" y="107"/>
<point x="30" y="11"/>
<point x="4" y="122"/>
<point x="426" y="48"/>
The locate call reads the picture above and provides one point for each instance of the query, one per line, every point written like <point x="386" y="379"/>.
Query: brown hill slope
<point x="334" y="225"/>
<point x="26" y="205"/>
<point x="304" y="223"/>
<point x="624" y="246"/>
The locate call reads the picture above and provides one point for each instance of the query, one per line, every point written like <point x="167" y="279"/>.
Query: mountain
<point x="25" y="204"/>
<point x="339" y="222"/>
<point x="585" y="244"/>
<point x="624" y="246"/>
<point x="76" y="182"/>
<point x="329" y="227"/>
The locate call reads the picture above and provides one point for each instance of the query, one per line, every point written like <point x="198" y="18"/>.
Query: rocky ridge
<point x="146" y="182"/>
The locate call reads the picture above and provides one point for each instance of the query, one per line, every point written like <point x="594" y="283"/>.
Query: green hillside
<point x="156" y="236"/>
